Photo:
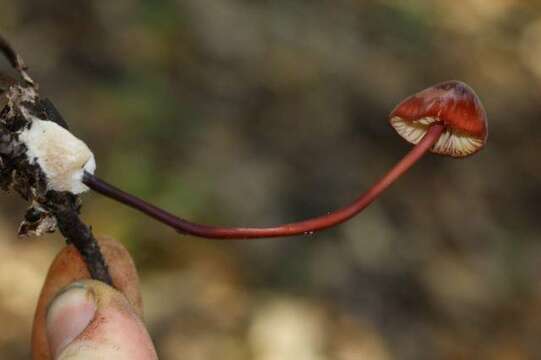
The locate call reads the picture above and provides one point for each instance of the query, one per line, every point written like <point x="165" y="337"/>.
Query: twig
<point x="65" y="207"/>
<point x="21" y="109"/>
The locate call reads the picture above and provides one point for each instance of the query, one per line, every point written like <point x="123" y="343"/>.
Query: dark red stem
<point x="303" y="227"/>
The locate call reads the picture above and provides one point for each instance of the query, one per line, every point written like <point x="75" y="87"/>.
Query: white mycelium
<point x="450" y="142"/>
<point x="62" y="157"/>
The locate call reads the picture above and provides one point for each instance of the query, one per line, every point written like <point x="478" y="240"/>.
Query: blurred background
<point x="240" y="112"/>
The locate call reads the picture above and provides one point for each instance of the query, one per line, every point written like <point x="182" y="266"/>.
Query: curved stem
<point x="303" y="227"/>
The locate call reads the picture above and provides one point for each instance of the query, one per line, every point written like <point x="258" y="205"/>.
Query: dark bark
<point x="65" y="207"/>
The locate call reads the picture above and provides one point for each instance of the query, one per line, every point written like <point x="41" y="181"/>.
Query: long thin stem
<point x="303" y="227"/>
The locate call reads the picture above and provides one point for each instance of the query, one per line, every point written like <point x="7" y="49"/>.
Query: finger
<point x="69" y="267"/>
<point x="91" y="320"/>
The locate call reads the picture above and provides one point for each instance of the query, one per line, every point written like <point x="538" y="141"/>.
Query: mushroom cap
<point x="453" y="104"/>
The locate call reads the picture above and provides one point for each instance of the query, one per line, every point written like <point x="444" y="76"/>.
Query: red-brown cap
<point x="453" y="104"/>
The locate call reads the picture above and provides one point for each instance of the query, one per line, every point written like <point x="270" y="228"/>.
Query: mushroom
<point x="451" y="103"/>
<point x="446" y="119"/>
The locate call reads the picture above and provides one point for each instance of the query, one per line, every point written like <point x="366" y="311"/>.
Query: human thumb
<point x="66" y="287"/>
<point x="90" y="320"/>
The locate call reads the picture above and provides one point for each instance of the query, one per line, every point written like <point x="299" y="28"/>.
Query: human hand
<point x="79" y="318"/>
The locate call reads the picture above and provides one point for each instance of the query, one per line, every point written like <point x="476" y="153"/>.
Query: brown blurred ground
<point x="256" y="112"/>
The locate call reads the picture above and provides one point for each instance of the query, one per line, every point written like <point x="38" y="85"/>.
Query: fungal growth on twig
<point x="44" y="162"/>
<point x="49" y="167"/>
